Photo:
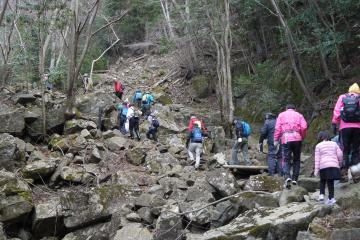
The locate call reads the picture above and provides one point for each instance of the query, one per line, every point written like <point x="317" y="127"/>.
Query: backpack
<point x="138" y="95"/>
<point x="118" y="87"/>
<point x="197" y="135"/>
<point x="155" y="123"/>
<point x="351" y="110"/>
<point x="144" y="99"/>
<point x="244" y="127"/>
<point x="124" y="111"/>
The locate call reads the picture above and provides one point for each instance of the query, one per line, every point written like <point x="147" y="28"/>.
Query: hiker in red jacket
<point x="193" y="121"/>
<point x="119" y="88"/>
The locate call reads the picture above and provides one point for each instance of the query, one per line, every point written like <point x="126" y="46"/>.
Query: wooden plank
<point x="245" y="167"/>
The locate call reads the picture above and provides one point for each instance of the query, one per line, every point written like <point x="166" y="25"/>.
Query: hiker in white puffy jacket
<point x="133" y="115"/>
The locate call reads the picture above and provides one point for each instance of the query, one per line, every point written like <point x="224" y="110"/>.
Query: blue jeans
<point x="245" y="150"/>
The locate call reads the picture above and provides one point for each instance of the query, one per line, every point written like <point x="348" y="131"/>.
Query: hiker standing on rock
<point x="267" y="132"/>
<point x="133" y="115"/>
<point x="137" y="98"/>
<point x="243" y="131"/>
<point x="119" y="88"/>
<point x="328" y="157"/>
<point x="290" y="129"/>
<point x="146" y="101"/>
<point x="347" y="112"/>
<point x="153" y="127"/>
<point x="195" y="143"/>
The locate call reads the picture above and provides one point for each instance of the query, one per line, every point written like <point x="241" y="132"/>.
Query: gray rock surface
<point x="133" y="231"/>
<point x="223" y="181"/>
<point x="263" y="182"/>
<point x="10" y="155"/>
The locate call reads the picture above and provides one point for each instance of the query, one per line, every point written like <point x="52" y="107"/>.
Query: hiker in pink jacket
<point x="347" y="113"/>
<point x="328" y="157"/>
<point x="291" y="128"/>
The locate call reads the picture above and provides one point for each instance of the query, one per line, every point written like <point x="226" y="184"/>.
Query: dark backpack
<point x="197" y="135"/>
<point x="155" y="123"/>
<point x="351" y="110"/>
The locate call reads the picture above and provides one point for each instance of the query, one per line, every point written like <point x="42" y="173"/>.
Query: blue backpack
<point x="197" y="135"/>
<point x="246" y="129"/>
<point x="138" y="95"/>
<point x="124" y="111"/>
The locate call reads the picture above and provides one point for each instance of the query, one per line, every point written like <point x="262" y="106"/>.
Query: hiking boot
<point x="287" y="183"/>
<point x="321" y="198"/>
<point x="294" y="182"/>
<point x="330" y="202"/>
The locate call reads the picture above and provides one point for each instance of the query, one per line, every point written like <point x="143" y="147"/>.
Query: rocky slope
<point x="90" y="182"/>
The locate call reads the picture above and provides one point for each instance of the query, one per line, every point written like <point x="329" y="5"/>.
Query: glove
<point x="334" y="128"/>
<point x="260" y="147"/>
<point x="276" y="144"/>
<point x="239" y="140"/>
<point x="316" y="174"/>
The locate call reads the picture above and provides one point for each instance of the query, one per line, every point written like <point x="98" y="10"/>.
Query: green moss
<point x="165" y="100"/>
<point x="26" y="195"/>
<point x="70" y="178"/>
<point x="319" y="230"/>
<point x="260" y="231"/>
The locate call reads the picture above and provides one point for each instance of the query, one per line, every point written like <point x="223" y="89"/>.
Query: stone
<point x="304" y="235"/>
<point x="109" y="134"/>
<point x="345" y="234"/>
<point x="117" y="143"/>
<point x="12" y="120"/>
<point x="36" y="156"/>
<point x="136" y="156"/>
<point x="169" y="224"/>
<point x="197" y="193"/>
<point x="250" y="200"/>
<point x="75" y="173"/>
<point x="29" y="147"/>
<point x="132" y="179"/>
<point x="48" y="218"/>
<point x="24" y="98"/>
<point x="146" y="215"/>
<point x="310" y="184"/>
<point x="2" y="233"/>
<point x="95" y="156"/>
<point x="278" y="223"/>
<point x="295" y="194"/>
<point x="10" y="156"/>
<point x="223" y="213"/>
<point x="133" y="217"/>
<point x="40" y="169"/>
<point x="99" y="231"/>
<point x="263" y="182"/>
<point x="223" y="181"/>
<point x="160" y="163"/>
<point x="133" y="231"/>
<point x="15" y="198"/>
<point x="201" y="217"/>
<point x="83" y="207"/>
<point x="85" y="134"/>
<point x="77" y="125"/>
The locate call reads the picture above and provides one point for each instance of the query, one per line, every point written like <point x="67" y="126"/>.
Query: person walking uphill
<point x="242" y="130"/>
<point x="267" y="132"/>
<point x="347" y="113"/>
<point x="196" y="144"/>
<point x="153" y="127"/>
<point x="119" y="88"/>
<point x="291" y="128"/>
<point x="328" y="157"/>
<point x="137" y="98"/>
<point x="134" y="118"/>
<point x="146" y="101"/>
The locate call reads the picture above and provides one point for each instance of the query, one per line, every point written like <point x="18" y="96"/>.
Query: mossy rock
<point x="263" y="182"/>
<point x="164" y="99"/>
<point x="200" y="84"/>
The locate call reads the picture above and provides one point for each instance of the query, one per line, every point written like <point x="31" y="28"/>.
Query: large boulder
<point x="223" y="181"/>
<point x="15" y="198"/>
<point x="310" y="184"/>
<point x="99" y="231"/>
<point x="82" y="208"/>
<point x="39" y="169"/>
<point x="250" y="200"/>
<point x="76" y="125"/>
<point x="11" y="154"/>
<point x="76" y="173"/>
<point x="280" y="223"/>
<point x="158" y="162"/>
<point x="199" y="217"/>
<point x="263" y="182"/>
<point x="168" y="224"/>
<point x="48" y="218"/>
<point x="71" y="143"/>
<point x="24" y="98"/>
<point x="223" y="213"/>
<point x="117" y="143"/>
<point x="136" y="156"/>
<point x="295" y="194"/>
<point x="88" y="105"/>
<point x="12" y="120"/>
<point x="133" y="231"/>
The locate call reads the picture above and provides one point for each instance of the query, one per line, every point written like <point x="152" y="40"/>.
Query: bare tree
<point x="166" y="12"/>
<point x="2" y="13"/>
<point x="221" y="37"/>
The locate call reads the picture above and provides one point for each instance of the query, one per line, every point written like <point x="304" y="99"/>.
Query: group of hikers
<point x="129" y="113"/>
<point x="336" y="158"/>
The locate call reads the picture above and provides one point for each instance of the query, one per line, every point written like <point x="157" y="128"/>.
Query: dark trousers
<point x="330" y="184"/>
<point x="145" y="110"/>
<point x="119" y="94"/>
<point x="138" y="103"/>
<point x="272" y="159"/>
<point x="350" y="138"/>
<point x="292" y="149"/>
<point x="134" y="127"/>
<point x="151" y="134"/>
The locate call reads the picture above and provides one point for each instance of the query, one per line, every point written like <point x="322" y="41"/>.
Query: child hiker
<point x="328" y="158"/>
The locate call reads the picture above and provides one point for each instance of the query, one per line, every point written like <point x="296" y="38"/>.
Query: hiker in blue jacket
<point x="146" y="101"/>
<point x="137" y="98"/>
<point x="242" y="130"/>
<point x="267" y="132"/>
<point x="122" y="117"/>
<point x="195" y="143"/>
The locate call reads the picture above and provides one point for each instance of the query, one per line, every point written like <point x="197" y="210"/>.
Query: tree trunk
<point x="166" y="13"/>
<point x="294" y="62"/>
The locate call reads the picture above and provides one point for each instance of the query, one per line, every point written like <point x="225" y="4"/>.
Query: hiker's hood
<point x="354" y="88"/>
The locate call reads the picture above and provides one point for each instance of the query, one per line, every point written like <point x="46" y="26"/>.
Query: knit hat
<point x="354" y="88"/>
<point x="323" y="135"/>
